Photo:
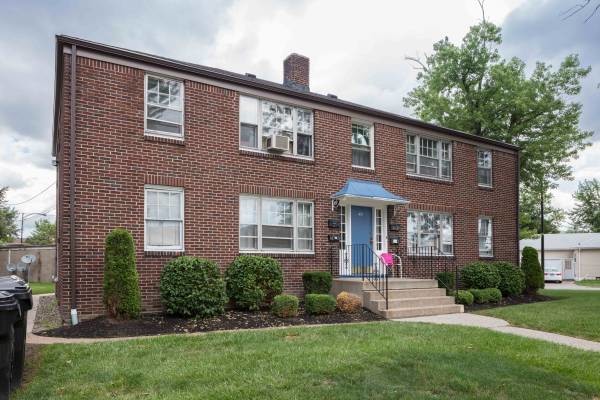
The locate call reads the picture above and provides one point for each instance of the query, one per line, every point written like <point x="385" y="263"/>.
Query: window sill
<point x="282" y="157"/>
<point x="486" y="257"/>
<point x="282" y="254"/>
<point x="163" y="253"/>
<point x="152" y="137"/>
<point x="430" y="179"/>
<point x="487" y="188"/>
<point x="366" y="170"/>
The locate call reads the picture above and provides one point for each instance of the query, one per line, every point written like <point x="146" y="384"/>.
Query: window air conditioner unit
<point x="278" y="143"/>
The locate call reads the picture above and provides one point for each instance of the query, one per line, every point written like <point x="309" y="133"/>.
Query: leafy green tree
<point x="534" y="276"/>
<point x="586" y="213"/>
<point x="530" y="214"/>
<point x="470" y="87"/>
<point x="44" y="233"/>
<point x="8" y="218"/>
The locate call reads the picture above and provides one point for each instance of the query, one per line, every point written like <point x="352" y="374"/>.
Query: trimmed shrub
<point x="480" y="275"/>
<point x="285" y="306"/>
<point x="530" y="264"/>
<point x="445" y="280"/>
<point x="348" y="303"/>
<point x="319" y="303"/>
<point x="317" y="282"/>
<point x="191" y="286"/>
<point x="488" y="295"/>
<point x="252" y="281"/>
<point x="121" y="287"/>
<point x="512" y="278"/>
<point x="464" y="297"/>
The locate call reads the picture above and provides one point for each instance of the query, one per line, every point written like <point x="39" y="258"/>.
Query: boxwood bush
<point x="464" y="297"/>
<point x="121" y="287"/>
<point x="488" y="295"/>
<point x="480" y="275"/>
<point x="348" y="303"/>
<point x="252" y="281"/>
<point x="512" y="278"/>
<point x="534" y="276"/>
<point x="317" y="282"/>
<point x="285" y="306"/>
<point x="191" y="286"/>
<point x="446" y="280"/>
<point x="319" y="303"/>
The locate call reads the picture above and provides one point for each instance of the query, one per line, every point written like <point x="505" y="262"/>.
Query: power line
<point x="23" y="202"/>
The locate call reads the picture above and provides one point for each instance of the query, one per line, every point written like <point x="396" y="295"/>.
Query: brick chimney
<point x="296" y="72"/>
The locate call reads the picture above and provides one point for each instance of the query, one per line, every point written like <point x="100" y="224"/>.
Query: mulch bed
<point x="510" y="301"/>
<point x="149" y="325"/>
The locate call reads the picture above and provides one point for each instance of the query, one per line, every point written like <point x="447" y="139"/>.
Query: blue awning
<point x="368" y="190"/>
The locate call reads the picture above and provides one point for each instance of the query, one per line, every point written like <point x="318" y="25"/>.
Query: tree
<point x="8" y="218"/>
<point x="530" y="214"/>
<point x="470" y="87"/>
<point x="534" y="276"/>
<point x="586" y="213"/>
<point x="582" y="6"/>
<point x="44" y="233"/>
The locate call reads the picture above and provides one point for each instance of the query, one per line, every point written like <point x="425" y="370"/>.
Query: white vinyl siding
<point x="428" y="157"/>
<point x="163" y="218"/>
<point x="163" y="107"/>
<point x="260" y="119"/>
<point x="484" y="168"/>
<point x="429" y="230"/>
<point x="276" y="225"/>
<point x="485" y="237"/>
<point x="362" y="145"/>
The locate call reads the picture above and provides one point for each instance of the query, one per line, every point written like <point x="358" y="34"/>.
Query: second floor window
<point x="164" y="106"/>
<point x="484" y="167"/>
<point x="260" y="119"/>
<point x="428" y="157"/>
<point x="362" y="145"/>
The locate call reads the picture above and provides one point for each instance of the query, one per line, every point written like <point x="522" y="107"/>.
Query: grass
<point x="42" y="287"/>
<point x="573" y="313"/>
<point x="589" y="282"/>
<point x="385" y="360"/>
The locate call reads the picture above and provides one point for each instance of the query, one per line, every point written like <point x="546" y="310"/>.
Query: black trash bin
<point x="10" y="313"/>
<point x="22" y="293"/>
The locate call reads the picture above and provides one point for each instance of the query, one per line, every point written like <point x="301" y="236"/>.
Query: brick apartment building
<point x="205" y="162"/>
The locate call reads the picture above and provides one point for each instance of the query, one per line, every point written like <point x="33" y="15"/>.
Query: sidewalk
<point x="568" y="285"/>
<point x="500" y="325"/>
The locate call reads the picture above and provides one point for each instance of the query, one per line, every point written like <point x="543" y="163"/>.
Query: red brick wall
<point x="115" y="160"/>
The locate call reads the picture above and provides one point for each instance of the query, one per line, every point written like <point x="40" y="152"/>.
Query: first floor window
<point x="379" y="229"/>
<point x="277" y="225"/>
<point x="484" y="167"/>
<point x="164" y="106"/>
<point x="429" y="232"/>
<point x="163" y="218"/>
<point x="485" y="237"/>
<point x="362" y="145"/>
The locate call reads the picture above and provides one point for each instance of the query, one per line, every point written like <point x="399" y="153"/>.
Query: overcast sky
<point x="357" y="51"/>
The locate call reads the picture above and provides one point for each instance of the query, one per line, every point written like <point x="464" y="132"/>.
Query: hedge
<point x="446" y="280"/>
<point x="480" y="275"/>
<point x="512" y="278"/>
<point x="534" y="276"/>
<point x="348" y="303"/>
<point x="285" y="306"/>
<point x="191" y="286"/>
<point x="317" y="282"/>
<point x="319" y="303"/>
<point x="464" y="297"/>
<point x="252" y="281"/>
<point x="121" y="290"/>
<point x="488" y="295"/>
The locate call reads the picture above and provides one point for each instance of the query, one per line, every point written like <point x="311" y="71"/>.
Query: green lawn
<point x="42" y="287"/>
<point x="589" y="282"/>
<point x="574" y="313"/>
<point x="385" y="360"/>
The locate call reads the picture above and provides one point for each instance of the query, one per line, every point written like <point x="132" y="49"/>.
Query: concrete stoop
<point x="406" y="297"/>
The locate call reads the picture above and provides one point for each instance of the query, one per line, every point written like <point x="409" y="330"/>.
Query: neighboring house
<point x="204" y="162"/>
<point x="577" y="254"/>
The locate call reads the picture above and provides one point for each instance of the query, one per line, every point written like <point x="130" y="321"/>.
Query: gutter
<point x="518" y="187"/>
<point x="72" y="143"/>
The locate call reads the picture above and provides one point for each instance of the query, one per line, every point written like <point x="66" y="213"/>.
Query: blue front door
<point x="361" y="221"/>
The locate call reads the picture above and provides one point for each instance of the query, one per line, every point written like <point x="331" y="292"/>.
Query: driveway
<point x="568" y="285"/>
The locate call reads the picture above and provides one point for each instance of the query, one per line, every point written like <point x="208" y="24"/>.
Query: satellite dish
<point x="28" y="259"/>
<point x="11" y="267"/>
<point x="21" y="267"/>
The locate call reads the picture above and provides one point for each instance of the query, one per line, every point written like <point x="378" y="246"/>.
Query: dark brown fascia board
<point x="58" y="74"/>
<point x="251" y="82"/>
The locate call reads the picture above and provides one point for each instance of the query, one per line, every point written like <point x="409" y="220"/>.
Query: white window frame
<point x="169" y="189"/>
<point x="441" y="234"/>
<point x="295" y="225"/>
<point x="152" y="132"/>
<point x="439" y="141"/>
<point x="490" y="168"/>
<point x="491" y="236"/>
<point x="371" y="128"/>
<point x="259" y="149"/>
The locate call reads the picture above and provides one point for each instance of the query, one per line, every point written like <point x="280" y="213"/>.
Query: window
<point x="484" y="167"/>
<point x="259" y="119"/>
<point x="428" y="157"/>
<point x="163" y="218"/>
<point x="485" y="237"/>
<point x="164" y="106"/>
<point x="428" y="231"/>
<point x="362" y="145"/>
<point x="343" y="226"/>
<point x="378" y="229"/>
<point x="276" y="225"/>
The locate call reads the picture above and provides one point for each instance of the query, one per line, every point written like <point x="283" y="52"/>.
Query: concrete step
<point x="422" y="311"/>
<point x="413" y="303"/>
<point x="405" y="293"/>
<point x="396" y="283"/>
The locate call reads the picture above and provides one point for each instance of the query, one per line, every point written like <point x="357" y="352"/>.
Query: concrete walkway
<point x="500" y="325"/>
<point x="567" y="285"/>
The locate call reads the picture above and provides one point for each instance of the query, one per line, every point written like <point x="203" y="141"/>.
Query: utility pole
<point x="23" y="215"/>
<point x="542" y="225"/>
